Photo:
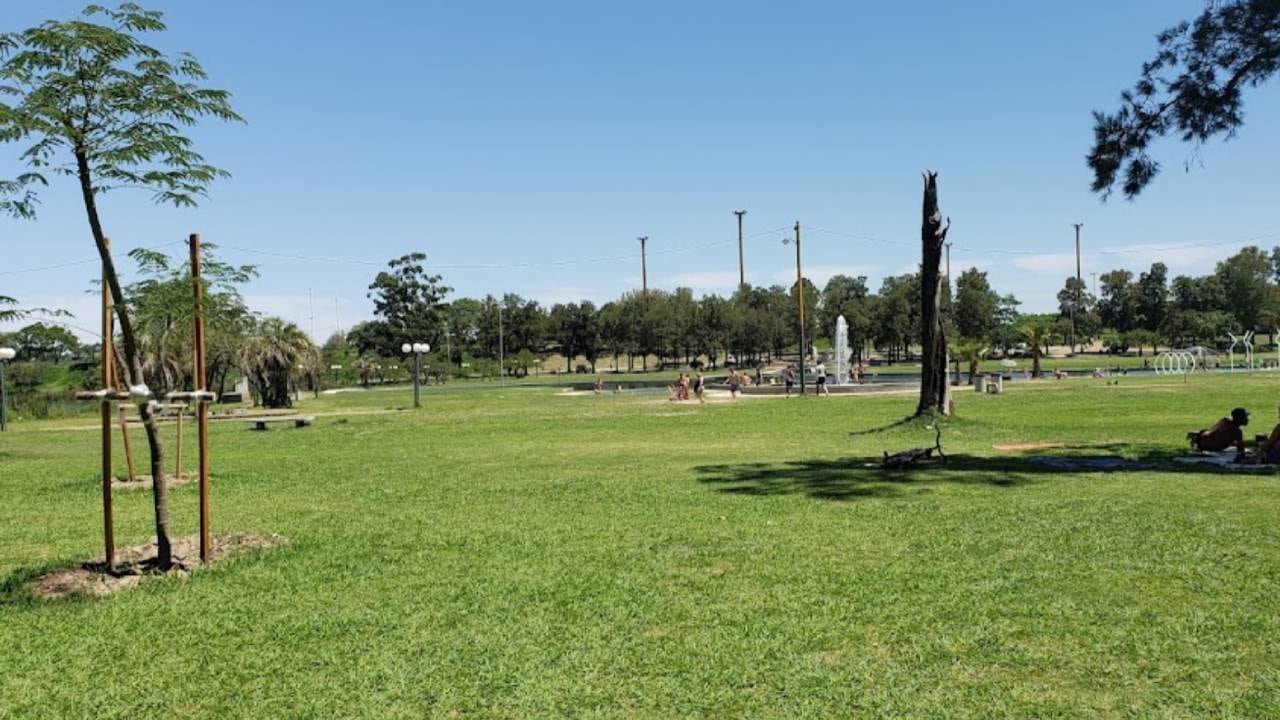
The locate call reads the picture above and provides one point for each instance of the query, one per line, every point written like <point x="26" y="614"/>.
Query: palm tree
<point x="273" y="355"/>
<point x="970" y="350"/>
<point x="1037" y="334"/>
<point x="7" y="309"/>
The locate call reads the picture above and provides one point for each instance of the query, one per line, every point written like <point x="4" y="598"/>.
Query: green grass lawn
<point x="522" y="554"/>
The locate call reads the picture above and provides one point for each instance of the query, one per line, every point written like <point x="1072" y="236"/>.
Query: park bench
<point x="260" y="423"/>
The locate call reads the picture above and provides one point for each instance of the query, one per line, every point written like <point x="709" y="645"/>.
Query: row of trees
<point x="1242" y="293"/>
<point x="753" y="324"/>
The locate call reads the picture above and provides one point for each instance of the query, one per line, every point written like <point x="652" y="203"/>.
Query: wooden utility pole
<point x="644" y="266"/>
<point x="202" y="407"/>
<point x="108" y="383"/>
<point x="800" y="296"/>
<point x="742" y="272"/>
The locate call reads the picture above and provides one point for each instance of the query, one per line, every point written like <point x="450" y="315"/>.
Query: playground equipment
<point x="1176" y="362"/>
<point x="140" y="394"/>
<point x="1247" y="341"/>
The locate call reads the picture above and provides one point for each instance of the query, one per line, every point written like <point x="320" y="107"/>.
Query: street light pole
<point x="6" y="354"/>
<point x="800" y="298"/>
<point x="417" y="349"/>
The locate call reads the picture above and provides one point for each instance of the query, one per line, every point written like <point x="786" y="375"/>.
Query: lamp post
<point x="800" y="298"/>
<point x="6" y="354"/>
<point x="417" y="349"/>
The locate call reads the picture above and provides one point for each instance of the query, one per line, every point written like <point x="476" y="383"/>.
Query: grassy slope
<point x="516" y="554"/>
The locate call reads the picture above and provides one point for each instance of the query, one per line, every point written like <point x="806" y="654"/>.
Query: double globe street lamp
<point x="417" y="349"/>
<point x="6" y="354"/>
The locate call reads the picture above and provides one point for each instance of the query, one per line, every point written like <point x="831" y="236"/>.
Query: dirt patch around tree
<point x="136" y="563"/>
<point x="143" y="482"/>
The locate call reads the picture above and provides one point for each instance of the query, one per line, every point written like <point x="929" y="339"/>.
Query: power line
<point x="498" y="266"/>
<point x="86" y="261"/>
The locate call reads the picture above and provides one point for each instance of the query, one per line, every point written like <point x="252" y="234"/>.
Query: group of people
<point x="1229" y="432"/>
<point x="681" y="389"/>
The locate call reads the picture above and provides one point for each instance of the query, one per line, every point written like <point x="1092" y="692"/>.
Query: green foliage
<point x="97" y="103"/>
<point x="275" y="356"/>
<point x="407" y="300"/>
<point x="44" y="342"/>
<point x="1192" y="88"/>
<point x="162" y="309"/>
<point x="974" y="313"/>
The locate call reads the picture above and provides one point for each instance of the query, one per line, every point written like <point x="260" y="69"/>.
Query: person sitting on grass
<point x="1224" y="433"/>
<point x="1269" y="453"/>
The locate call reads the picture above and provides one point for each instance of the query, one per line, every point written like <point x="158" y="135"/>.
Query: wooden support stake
<point x="108" y="376"/>
<point x="202" y="409"/>
<point x="124" y="428"/>
<point x="177" y="453"/>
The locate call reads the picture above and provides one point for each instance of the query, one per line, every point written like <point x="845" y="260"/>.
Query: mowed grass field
<point x="526" y="554"/>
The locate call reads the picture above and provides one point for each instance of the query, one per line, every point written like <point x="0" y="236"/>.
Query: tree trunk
<point x="935" y="391"/>
<point x="133" y="367"/>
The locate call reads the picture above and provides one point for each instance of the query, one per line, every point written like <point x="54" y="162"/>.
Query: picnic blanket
<point x="1103" y="462"/>
<point x="1224" y="461"/>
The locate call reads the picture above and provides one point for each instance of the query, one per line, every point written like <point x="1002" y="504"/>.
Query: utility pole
<point x="644" y="266"/>
<point x="742" y="272"/>
<point x="1095" y="284"/>
<point x="337" y="319"/>
<point x="1079" y="282"/>
<point x="800" y="298"/>
<point x="948" y="268"/>
<point x="502" y="370"/>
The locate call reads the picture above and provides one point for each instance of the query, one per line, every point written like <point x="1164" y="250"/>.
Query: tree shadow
<point x="861" y="477"/>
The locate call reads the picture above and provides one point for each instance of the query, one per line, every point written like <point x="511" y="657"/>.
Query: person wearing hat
<point x="1225" y="433"/>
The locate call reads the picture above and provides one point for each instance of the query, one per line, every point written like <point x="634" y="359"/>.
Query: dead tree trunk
<point x="935" y="391"/>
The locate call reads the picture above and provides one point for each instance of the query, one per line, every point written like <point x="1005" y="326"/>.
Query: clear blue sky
<point x="507" y="133"/>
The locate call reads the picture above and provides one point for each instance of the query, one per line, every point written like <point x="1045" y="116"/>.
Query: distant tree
<point x="462" y="326"/>
<point x="1035" y="331"/>
<point x="101" y="106"/>
<point x="895" y="315"/>
<point x="1118" y="306"/>
<point x="1193" y="88"/>
<point x="275" y="354"/>
<point x="370" y="337"/>
<point x="971" y="351"/>
<point x="615" y="335"/>
<point x="1143" y="338"/>
<point x="44" y="342"/>
<point x="164" y="317"/>
<point x="1244" y="281"/>
<point x="975" y="304"/>
<point x="408" y="300"/>
<point x="811" y="299"/>
<point x="850" y="297"/>
<point x="1153" y="297"/>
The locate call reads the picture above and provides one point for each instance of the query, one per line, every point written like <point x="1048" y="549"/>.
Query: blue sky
<point x="526" y="135"/>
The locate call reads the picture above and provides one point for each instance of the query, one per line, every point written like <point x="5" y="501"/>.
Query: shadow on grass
<point x="859" y="477"/>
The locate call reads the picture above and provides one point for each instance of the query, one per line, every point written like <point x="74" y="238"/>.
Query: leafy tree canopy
<point x="1192" y="88"/>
